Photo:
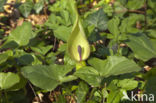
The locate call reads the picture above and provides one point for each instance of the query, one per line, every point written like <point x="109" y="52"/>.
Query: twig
<point x="33" y="90"/>
<point x="136" y="11"/>
<point x="103" y="100"/>
<point x="145" y="14"/>
<point x="54" y="44"/>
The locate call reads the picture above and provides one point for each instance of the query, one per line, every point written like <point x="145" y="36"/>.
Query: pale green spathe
<point x="78" y="38"/>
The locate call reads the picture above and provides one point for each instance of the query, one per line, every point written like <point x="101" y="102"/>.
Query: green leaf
<point x="98" y="96"/>
<point x="113" y="26"/>
<point x="141" y="46"/>
<point x="21" y="84"/>
<point x="153" y="42"/>
<point x="39" y="6"/>
<point x="114" y="65"/>
<point x="46" y="77"/>
<point x="8" y="80"/>
<point x="90" y="75"/>
<point x="26" y="8"/>
<point x="37" y="60"/>
<point x="119" y="8"/>
<point x="98" y="64"/>
<point x="102" y="52"/>
<point x="127" y="84"/>
<point x="128" y="25"/>
<point x="63" y="13"/>
<point x="108" y="9"/>
<point x="117" y="65"/>
<point x="62" y="32"/>
<point x="42" y="49"/>
<point x="5" y="56"/>
<point x="56" y="6"/>
<point x="63" y="47"/>
<point x="114" y="96"/>
<point x="2" y="2"/>
<point x="66" y="17"/>
<point x="78" y="46"/>
<point x="22" y="34"/>
<point x="9" y="44"/>
<point x="26" y="59"/>
<point x="68" y="60"/>
<point x="133" y="4"/>
<point x="98" y="19"/>
<point x="115" y="93"/>
<point x="61" y="22"/>
<point x="150" y="87"/>
<point x="81" y="92"/>
<point x="152" y="4"/>
<point x="52" y="22"/>
<point x="15" y="97"/>
<point x="151" y="33"/>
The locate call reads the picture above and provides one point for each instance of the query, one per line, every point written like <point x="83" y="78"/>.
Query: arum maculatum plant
<point x="78" y="45"/>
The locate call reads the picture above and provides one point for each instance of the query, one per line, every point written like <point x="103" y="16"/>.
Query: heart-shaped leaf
<point x="114" y="65"/>
<point x="26" y="8"/>
<point x="90" y="75"/>
<point x="141" y="46"/>
<point x="99" y="19"/>
<point x="8" y="80"/>
<point x="19" y="36"/>
<point x="47" y="77"/>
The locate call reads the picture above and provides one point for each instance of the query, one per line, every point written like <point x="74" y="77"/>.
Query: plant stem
<point x="68" y="78"/>
<point x="145" y="14"/>
<point x="0" y="95"/>
<point x="92" y="93"/>
<point x="6" y="96"/>
<point x="32" y="89"/>
<point x="136" y="11"/>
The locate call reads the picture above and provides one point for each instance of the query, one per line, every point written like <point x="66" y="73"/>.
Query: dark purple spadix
<point x="79" y="49"/>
